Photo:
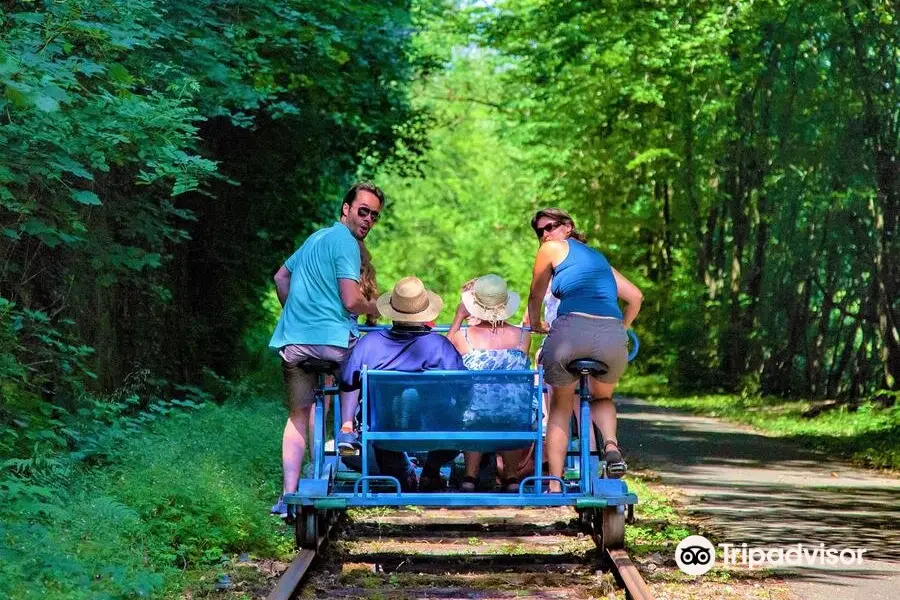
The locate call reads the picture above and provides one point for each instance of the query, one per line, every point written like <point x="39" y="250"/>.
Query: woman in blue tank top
<point x="589" y="324"/>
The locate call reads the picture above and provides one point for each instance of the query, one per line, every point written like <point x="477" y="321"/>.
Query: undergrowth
<point x="657" y="527"/>
<point x="144" y="505"/>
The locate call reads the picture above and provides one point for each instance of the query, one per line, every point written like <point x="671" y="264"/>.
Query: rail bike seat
<point x="587" y="366"/>
<point x="319" y="366"/>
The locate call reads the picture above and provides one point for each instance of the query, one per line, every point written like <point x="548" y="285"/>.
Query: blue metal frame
<point x="348" y="489"/>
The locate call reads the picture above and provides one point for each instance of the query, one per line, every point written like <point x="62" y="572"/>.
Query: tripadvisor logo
<point x="695" y="555"/>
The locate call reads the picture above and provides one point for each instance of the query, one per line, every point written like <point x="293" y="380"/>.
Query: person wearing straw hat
<point x="491" y="345"/>
<point x="409" y="346"/>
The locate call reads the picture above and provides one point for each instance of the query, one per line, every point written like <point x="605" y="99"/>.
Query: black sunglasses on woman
<point x="541" y="231"/>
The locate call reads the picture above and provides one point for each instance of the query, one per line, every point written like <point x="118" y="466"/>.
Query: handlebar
<point x="635" y="345"/>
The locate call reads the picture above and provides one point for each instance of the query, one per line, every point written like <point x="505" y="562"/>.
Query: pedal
<point x="348" y="451"/>
<point x="616" y="470"/>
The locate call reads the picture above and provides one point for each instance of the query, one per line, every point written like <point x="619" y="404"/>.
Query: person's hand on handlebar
<point x="542" y="328"/>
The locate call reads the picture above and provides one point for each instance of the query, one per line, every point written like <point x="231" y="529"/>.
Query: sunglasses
<point x="541" y="231"/>
<point x="365" y="211"/>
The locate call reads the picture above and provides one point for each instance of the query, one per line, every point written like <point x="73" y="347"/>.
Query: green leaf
<point x="31" y="17"/>
<point x="46" y="103"/>
<point x="65" y="163"/>
<point x="16" y="95"/>
<point x="119" y="74"/>
<point x="8" y="67"/>
<point x="649" y="156"/>
<point x="86" y="197"/>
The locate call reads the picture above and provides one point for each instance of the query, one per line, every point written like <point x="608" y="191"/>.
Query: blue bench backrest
<point x="451" y="402"/>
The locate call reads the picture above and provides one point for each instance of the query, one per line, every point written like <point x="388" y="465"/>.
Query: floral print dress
<point x="498" y="405"/>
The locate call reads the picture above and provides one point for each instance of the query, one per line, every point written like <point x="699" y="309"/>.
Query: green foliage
<point x="171" y="502"/>
<point x="865" y="433"/>
<point x="465" y="208"/>
<point x="718" y="148"/>
<point x="161" y="160"/>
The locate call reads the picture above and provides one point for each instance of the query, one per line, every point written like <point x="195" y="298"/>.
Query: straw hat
<point x="489" y="299"/>
<point x="410" y="302"/>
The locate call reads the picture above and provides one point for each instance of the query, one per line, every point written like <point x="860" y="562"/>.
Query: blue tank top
<point x="584" y="283"/>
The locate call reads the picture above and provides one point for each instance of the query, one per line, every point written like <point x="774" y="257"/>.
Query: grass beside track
<point x="868" y="434"/>
<point x="161" y="517"/>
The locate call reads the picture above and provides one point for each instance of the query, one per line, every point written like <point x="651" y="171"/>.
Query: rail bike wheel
<point x="613" y="527"/>
<point x="307" y="527"/>
<point x="608" y="527"/>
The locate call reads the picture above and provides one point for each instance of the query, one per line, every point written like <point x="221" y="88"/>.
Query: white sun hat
<point x="489" y="299"/>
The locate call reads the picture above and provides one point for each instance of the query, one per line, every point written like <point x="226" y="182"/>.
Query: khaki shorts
<point x="301" y="386"/>
<point x="576" y="335"/>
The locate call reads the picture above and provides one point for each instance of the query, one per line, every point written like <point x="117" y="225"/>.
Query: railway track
<point x="460" y="553"/>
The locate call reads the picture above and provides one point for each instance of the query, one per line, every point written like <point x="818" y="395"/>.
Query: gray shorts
<point x="301" y="386"/>
<point x="576" y="335"/>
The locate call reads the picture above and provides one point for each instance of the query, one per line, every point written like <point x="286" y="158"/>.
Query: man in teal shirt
<point x="318" y="287"/>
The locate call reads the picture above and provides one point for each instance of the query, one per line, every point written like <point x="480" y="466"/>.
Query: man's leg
<point x="349" y="406"/>
<point x="397" y="464"/>
<point x="431" y="470"/>
<point x="301" y="395"/>
<point x="473" y="466"/>
<point x="293" y="447"/>
<point x="348" y="440"/>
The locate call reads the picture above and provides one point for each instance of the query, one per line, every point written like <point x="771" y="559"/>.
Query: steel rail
<point x="628" y="575"/>
<point x="290" y="579"/>
<point x="624" y="570"/>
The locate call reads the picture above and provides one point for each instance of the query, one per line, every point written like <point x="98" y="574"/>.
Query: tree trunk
<point x="881" y="130"/>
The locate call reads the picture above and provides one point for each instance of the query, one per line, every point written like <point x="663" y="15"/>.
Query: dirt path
<point x="749" y="488"/>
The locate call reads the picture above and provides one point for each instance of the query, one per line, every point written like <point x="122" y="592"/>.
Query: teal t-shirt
<point x="313" y="312"/>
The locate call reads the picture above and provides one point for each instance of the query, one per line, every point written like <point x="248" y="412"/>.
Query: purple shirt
<point x="400" y="350"/>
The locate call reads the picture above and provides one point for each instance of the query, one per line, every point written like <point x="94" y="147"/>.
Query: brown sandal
<point x="468" y="484"/>
<point x="615" y="463"/>
<point x="510" y="486"/>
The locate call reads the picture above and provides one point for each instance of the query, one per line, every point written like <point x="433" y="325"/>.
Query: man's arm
<point x="353" y="300"/>
<point x="282" y="284"/>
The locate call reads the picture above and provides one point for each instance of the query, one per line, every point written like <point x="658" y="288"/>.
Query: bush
<point x="176" y="496"/>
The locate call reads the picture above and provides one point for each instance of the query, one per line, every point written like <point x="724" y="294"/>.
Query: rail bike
<point x="455" y="410"/>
